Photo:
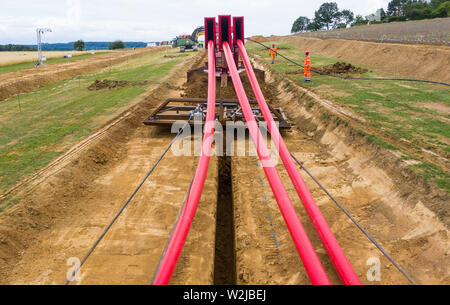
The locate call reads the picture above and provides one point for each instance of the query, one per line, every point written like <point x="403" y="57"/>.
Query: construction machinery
<point x="225" y="44"/>
<point x="187" y="42"/>
<point x="39" y="33"/>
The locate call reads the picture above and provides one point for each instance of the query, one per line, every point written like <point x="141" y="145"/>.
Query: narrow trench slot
<point x="224" y="258"/>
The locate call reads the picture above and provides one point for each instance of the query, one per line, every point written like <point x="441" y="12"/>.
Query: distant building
<point x="375" y="17"/>
<point x="152" y="44"/>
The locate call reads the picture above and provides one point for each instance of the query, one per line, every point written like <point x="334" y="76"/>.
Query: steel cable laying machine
<point x="175" y="109"/>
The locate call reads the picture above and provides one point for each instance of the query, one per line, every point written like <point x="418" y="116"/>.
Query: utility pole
<point x="40" y="32"/>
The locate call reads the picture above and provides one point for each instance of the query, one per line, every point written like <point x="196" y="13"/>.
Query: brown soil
<point x="404" y="60"/>
<point x="340" y="68"/>
<point x="398" y="208"/>
<point x="63" y="215"/>
<point x="27" y="80"/>
<point x="111" y="84"/>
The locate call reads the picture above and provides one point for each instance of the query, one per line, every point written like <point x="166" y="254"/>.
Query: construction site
<point x="220" y="166"/>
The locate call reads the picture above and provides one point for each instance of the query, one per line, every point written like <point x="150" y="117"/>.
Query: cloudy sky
<point x="151" y="20"/>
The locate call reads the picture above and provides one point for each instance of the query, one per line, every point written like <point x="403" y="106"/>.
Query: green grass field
<point x="50" y="120"/>
<point x="52" y="61"/>
<point x="417" y="113"/>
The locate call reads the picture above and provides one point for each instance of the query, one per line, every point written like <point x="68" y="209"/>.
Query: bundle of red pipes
<point x="230" y="42"/>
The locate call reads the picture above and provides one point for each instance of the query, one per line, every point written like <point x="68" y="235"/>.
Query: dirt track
<point x="46" y="228"/>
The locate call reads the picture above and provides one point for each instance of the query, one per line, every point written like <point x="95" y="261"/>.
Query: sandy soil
<point x="27" y="80"/>
<point x="90" y="189"/>
<point x="406" y="224"/>
<point x="403" y="60"/>
<point x="62" y="216"/>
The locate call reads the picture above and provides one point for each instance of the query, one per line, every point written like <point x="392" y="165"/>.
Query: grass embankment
<point x="51" y="61"/>
<point x="51" y="120"/>
<point x="416" y="113"/>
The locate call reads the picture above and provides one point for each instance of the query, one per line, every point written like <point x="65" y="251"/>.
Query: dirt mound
<point x="259" y="38"/>
<point x="341" y="68"/>
<point x="111" y="84"/>
<point x="174" y="56"/>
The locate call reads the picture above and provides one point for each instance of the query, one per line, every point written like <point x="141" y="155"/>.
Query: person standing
<point x="307" y="67"/>
<point x="273" y="52"/>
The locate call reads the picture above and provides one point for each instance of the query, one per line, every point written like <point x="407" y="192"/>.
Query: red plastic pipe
<point x="181" y="231"/>
<point x="304" y="247"/>
<point x="340" y="261"/>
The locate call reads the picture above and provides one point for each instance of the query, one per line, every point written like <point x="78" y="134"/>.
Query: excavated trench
<point x="238" y="235"/>
<point x="224" y="255"/>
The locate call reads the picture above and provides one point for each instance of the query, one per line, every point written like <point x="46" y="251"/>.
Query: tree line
<point x="79" y="45"/>
<point x="328" y="16"/>
<point x="15" y="47"/>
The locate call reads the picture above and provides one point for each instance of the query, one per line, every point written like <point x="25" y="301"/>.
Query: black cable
<point x="400" y="268"/>
<point x="127" y="202"/>
<point x="354" y="78"/>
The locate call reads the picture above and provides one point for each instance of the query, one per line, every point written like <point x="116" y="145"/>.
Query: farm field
<point x="411" y="118"/>
<point x="11" y="58"/>
<point x="16" y="65"/>
<point x="429" y="31"/>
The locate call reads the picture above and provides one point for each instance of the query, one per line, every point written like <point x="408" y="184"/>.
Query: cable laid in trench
<point x="127" y="202"/>
<point x="364" y="231"/>
<point x="355" y="78"/>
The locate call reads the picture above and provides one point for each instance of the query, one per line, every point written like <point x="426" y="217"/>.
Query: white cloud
<point x="151" y="20"/>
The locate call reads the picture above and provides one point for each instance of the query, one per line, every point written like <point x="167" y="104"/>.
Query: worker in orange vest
<point x="307" y="67"/>
<point x="273" y="52"/>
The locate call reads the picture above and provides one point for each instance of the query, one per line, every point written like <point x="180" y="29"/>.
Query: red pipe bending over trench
<point x="309" y="257"/>
<point x="181" y="231"/>
<point x="342" y="265"/>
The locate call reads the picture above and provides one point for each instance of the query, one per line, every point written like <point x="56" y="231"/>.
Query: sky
<point x="141" y="20"/>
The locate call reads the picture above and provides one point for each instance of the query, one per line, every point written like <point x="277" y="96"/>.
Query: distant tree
<point x="359" y="20"/>
<point x="300" y="25"/>
<point x="118" y="44"/>
<point x="416" y="10"/>
<point x="14" y="47"/>
<point x="313" y="26"/>
<point x="327" y="14"/>
<point x="347" y="17"/>
<point x="79" y="45"/>
<point x="443" y="10"/>
<point x="434" y="4"/>
<point x="383" y="14"/>
<point x="395" y="7"/>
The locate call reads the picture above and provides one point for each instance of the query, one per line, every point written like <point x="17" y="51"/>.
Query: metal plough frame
<point x="179" y="109"/>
